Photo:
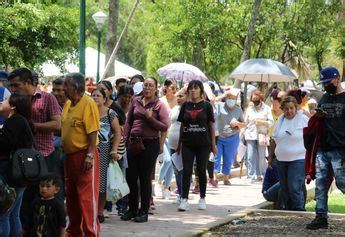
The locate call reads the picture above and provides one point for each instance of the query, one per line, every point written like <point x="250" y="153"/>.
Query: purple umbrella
<point x="182" y="72"/>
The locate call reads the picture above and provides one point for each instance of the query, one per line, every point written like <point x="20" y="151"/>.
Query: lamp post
<point x="99" y="18"/>
<point x="82" y="37"/>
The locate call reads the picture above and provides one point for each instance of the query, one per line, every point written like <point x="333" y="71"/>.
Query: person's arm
<point x="92" y="140"/>
<point x="53" y="113"/>
<point x="129" y="123"/>
<point x="53" y="125"/>
<point x="10" y="133"/>
<point x="271" y="153"/>
<point x="162" y="140"/>
<point x="117" y="138"/>
<point x="62" y="232"/>
<point x="213" y="139"/>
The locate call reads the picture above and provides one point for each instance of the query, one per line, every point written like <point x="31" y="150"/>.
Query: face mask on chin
<point x="331" y="88"/>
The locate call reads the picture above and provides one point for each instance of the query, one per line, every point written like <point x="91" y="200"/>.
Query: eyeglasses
<point x="57" y="90"/>
<point x="149" y="86"/>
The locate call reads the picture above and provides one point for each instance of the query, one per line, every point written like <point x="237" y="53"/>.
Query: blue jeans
<point x="10" y="224"/>
<point x="178" y="177"/>
<point x="326" y="162"/>
<point x="292" y="176"/>
<point x="256" y="159"/>
<point x="166" y="170"/>
<point x="272" y="193"/>
<point x="227" y="147"/>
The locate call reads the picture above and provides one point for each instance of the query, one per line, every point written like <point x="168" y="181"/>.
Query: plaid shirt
<point x="44" y="107"/>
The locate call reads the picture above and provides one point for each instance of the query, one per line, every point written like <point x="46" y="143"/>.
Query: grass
<point x="336" y="203"/>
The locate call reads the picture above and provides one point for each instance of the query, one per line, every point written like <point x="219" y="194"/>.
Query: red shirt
<point x="44" y="107"/>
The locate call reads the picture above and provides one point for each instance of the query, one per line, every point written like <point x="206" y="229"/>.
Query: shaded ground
<point x="278" y="225"/>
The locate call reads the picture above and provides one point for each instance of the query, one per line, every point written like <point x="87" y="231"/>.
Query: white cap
<point x="312" y="101"/>
<point x="138" y="88"/>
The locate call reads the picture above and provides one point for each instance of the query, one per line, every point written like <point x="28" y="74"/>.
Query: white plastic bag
<point x="117" y="186"/>
<point x="177" y="160"/>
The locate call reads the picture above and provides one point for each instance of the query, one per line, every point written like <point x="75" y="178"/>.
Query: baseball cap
<point x="328" y="73"/>
<point x="3" y="76"/>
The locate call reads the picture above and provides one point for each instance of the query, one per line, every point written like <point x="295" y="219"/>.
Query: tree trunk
<point x="111" y="35"/>
<point x="117" y="45"/>
<point x="197" y="56"/>
<point x="249" y="37"/>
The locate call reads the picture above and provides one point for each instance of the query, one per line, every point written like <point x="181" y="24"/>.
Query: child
<point x="47" y="215"/>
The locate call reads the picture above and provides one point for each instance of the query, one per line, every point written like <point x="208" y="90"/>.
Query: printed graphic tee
<point x="334" y="132"/>
<point x="195" y="118"/>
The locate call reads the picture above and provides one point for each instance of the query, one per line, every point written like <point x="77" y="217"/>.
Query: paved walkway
<point x="167" y="221"/>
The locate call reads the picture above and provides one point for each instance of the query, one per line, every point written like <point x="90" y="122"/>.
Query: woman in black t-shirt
<point x="197" y="140"/>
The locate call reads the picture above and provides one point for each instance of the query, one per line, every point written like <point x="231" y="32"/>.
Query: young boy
<point x="47" y="215"/>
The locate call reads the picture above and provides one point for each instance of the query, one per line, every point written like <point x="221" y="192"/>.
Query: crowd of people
<point x="192" y="128"/>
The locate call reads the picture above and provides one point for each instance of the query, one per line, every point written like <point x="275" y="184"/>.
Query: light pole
<point x="82" y="37"/>
<point x="99" y="18"/>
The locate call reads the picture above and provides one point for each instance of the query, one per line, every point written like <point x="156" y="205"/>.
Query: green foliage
<point x="336" y="203"/>
<point x="32" y="34"/>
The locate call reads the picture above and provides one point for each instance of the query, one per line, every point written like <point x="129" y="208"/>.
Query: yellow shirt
<point x="275" y="118"/>
<point x="77" y="122"/>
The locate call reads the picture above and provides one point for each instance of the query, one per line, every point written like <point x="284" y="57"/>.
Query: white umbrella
<point x="182" y="72"/>
<point x="263" y="70"/>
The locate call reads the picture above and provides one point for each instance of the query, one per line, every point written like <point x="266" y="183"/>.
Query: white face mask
<point x="230" y="102"/>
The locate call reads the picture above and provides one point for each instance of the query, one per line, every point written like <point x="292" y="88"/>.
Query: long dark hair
<point x="23" y="106"/>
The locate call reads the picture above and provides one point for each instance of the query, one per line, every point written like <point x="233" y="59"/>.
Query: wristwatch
<point x="90" y="155"/>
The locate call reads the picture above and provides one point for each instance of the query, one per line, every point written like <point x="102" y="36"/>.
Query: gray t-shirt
<point x="225" y="116"/>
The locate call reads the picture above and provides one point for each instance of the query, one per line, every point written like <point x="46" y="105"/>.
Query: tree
<point x="31" y="35"/>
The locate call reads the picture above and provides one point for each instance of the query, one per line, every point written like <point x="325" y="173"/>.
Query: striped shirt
<point x="44" y="107"/>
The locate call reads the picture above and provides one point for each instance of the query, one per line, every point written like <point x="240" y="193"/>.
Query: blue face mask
<point x="230" y="103"/>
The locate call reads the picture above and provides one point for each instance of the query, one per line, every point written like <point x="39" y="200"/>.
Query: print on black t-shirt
<point x="195" y="118"/>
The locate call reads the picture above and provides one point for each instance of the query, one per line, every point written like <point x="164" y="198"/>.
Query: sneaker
<point x="175" y="191"/>
<point x="196" y="190"/>
<point x="227" y="182"/>
<point x="152" y="204"/>
<point x="318" y="223"/>
<point x="202" y="204"/>
<point x="158" y="190"/>
<point x="184" y="206"/>
<point x="214" y="183"/>
<point x="166" y="194"/>
<point x="177" y="201"/>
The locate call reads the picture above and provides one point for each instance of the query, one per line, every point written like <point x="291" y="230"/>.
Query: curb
<point x="265" y="206"/>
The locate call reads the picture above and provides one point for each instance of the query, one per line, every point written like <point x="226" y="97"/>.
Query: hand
<point x="234" y="123"/>
<point x="259" y="122"/>
<point x="115" y="157"/>
<point x="88" y="163"/>
<point x="320" y="113"/>
<point x="148" y="113"/>
<point x="214" y="150"/>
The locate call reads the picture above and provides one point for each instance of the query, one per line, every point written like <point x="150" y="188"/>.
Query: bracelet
<point x="113" y="152"/>
<point x="90" y="155"/>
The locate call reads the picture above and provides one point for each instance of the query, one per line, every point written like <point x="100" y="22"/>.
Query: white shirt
<point x="174" y="129"/>
<point x="252" y="130"/>
<point x="288" y="136"/>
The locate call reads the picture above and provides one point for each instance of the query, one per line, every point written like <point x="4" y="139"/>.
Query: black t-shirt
<point x="195" y="118"/>
<point x="47" y="218"/>
<point x="334" y="131"/>
<point x="15" y="134"/>
<point x="120" y="114"/>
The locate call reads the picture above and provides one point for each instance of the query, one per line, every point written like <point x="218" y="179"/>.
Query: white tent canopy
<point x="121" y="69"/>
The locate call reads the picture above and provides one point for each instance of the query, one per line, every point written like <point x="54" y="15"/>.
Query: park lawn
<point x="336" y="203"/>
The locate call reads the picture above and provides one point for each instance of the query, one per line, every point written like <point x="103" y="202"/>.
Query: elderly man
<point x="80" y="124"/>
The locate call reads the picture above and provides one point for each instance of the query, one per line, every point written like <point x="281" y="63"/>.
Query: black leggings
<point x="201" y="154"/>
<point x="141" y="166"/>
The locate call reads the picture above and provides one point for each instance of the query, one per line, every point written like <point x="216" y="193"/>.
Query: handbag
<point x="27" y="166"/>
<point x="136" y="145"/>
<point x="264" y="139"/>
<point x="117" y="186"/>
